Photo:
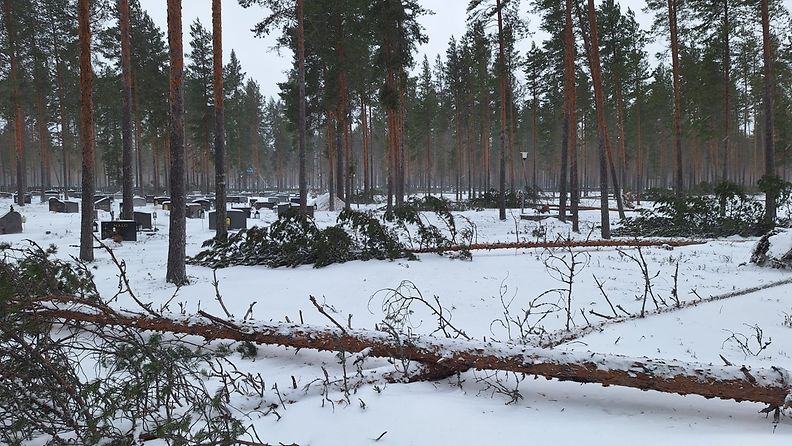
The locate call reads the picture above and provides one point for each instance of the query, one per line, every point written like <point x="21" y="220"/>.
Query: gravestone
<point x="291" y="209"/>
<point x="166" y="205"/>
<point x="137" y="202"/>
<point x="235" y="220"/>
<point x="294" y="200"/>
<point x="63" y="207"/>
<point x="149" y="198"/>
<point x="205" y="204"/>
<point x="126" y="230"/>
<point x="28" y="198"/>
<point x="159" y="200"/>
<point x="244" y="209"/>
<point x="55" y="205"/>
<point x="236" y="199"/>
<point x="264" y="204"/>
<point x="103" y="204"/>
<point x="194" y="210"/>
<point x="143" y="220"/>
<point x="11" y="223"/>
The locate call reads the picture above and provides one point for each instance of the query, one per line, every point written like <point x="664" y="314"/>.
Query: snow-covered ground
<point x="477" y="292"/>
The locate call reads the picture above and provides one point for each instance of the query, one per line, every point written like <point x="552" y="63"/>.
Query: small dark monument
<point x="236" y="199"/>
<point x="28" y="198"/>
<point x="290" y="209"/>
<point x="194" y="210"/>
<point x="159" y="200"/>
<point x="11" y="223"/>
<point x="205" y="204"/>
<point x="63" y="207"/>
<point x="244" y="209"/>
<point x="120" y="230"/>
<point x="103" y="204"/>
<point x="143" y="220"/>
<point x="149" y="198"/>
<point x="294" y="200"/>
<point x="234" y="218"/>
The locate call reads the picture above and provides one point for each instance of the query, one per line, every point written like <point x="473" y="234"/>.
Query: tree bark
<point x="303" y="181"/>
<point x="221" y="228"/>
<point x="127" y="208"/>
<point x="444" y="356"/>
<point x="87" y="132"/>
<point x="177" y="239"/>
<point x="592" y="50"/>
<point x="726" y="88"/>
<point x="672" y="22"/>
<point x="571" y="114"/>
<point x="10" y="24"/>
<point x="769" y="133"/>
<point x="502" y="75"/>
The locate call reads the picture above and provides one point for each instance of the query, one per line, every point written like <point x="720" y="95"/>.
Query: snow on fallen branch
<point x="562" y="244"/>
<point x="770" y="386"/>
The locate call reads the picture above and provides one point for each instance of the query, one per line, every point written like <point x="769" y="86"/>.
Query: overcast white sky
<point x="261" y="62"/>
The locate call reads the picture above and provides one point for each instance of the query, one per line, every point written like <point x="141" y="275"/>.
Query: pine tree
<point x="177" y="238"/>
<point x="126" y="109"/>
<point x="219" y="136"/>
<point x="86" y="132"/>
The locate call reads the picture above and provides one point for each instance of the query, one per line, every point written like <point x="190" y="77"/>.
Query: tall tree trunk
<point x="769" y="133"/>
<point x="672" y="22"/>
<point x="87" y="132"/>
<point x="177" y="239"/>
<point x="43" y="131"/>
<point x="13" y="79"/>
<point x="365" y="134"/>
<point x="303" y="181"/>
<point x="331" y="149"/>
<point x="221" y="227"/>
<point x="726" y="88"/>
<point x="127" y="208"/>
<point x="571" y="112"/>
<point x="502" y="74"/>
<point x="592" y="50"/>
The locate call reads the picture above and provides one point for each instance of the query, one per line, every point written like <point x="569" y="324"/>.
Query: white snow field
<point x="467" y="410"/>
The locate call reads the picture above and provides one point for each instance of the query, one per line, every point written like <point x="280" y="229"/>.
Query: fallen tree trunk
<point x="560" y="337"/>
<point x="769" y="386"/>
<point x="633" y="243"/>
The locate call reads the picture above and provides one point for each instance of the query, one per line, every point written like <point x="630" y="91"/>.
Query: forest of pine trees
<point x="381" y="120"/>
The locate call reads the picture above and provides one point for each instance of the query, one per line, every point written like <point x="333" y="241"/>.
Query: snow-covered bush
<point x="774" y="249"/>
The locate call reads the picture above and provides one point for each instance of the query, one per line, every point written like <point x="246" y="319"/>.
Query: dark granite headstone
<point x="63" y="207"/>
<point x="125" y="229"/>
<point x="103" y="204"/>
<point x="291" y="209"/>
<point x="55" y="205"/>
<point x="159" y="200"/>
<point x="143" y="220"/>
<point x="205" y="204"/>
<point x="194" y="210"/>
<point x="149" y="198"/>
<point x="294" y="200"/>
<point x="244" y="209"/>
<point x="11" y="223"/>
<point x="28" y="198"/>
<point x="234" y="218"/>
<point x="263" y="204"/>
